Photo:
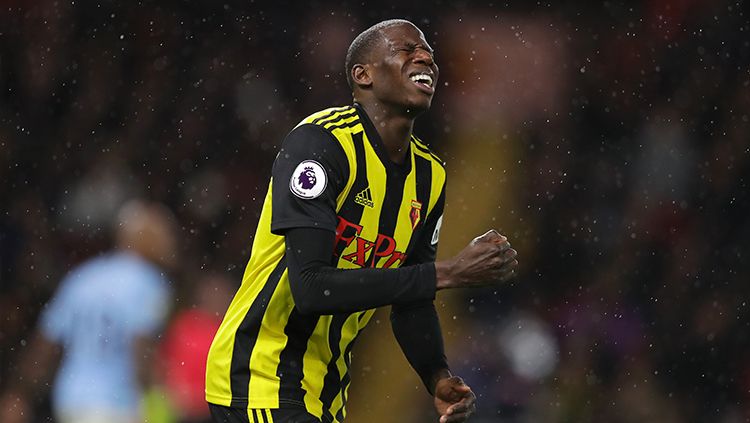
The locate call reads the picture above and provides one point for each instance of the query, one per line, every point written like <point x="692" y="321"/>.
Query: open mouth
<point x="423" y="80"/>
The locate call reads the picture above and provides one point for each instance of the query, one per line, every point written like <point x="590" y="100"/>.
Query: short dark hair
<point x="360" y="48"/>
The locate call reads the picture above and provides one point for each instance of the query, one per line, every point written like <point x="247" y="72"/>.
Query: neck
<point x="395" y="129"/>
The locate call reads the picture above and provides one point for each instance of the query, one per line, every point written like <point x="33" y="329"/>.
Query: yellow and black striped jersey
<point x="332" y="173"/>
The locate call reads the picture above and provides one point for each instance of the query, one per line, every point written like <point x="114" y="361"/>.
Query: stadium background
<point x="608" y="141"/>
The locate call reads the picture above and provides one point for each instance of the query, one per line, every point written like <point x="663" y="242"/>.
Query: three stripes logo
<point x="364" y="198"/>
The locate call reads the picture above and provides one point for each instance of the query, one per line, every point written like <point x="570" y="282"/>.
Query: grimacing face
<point x="404" y="72"/>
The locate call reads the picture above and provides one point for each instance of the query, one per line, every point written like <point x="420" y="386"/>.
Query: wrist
<point x="443" y="275"/>
<point x="438" y="376"/>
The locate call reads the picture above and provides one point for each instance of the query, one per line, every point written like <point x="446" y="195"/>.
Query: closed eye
<point x="411" y="48"/>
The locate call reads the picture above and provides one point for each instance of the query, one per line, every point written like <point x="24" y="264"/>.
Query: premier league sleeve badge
<point x="308" y="180"/>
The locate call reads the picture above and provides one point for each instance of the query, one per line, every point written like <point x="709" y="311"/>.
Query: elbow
<point x="304" y="304"/>
<point x="312" y="292"/>
<point x="307" y="299"/>
<point x="312" y="304"/>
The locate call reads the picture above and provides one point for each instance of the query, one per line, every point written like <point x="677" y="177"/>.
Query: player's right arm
<point x="307" y="219"/>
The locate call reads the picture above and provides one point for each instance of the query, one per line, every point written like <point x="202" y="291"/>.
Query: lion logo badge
<point x="308" y="180"/>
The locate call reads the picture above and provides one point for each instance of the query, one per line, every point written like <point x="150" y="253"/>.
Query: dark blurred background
<point x="609" y="141"/>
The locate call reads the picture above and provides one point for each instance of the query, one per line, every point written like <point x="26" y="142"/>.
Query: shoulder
<point x="91" y="269"/>
<point x="318" y="126"/>
<point x="339" y="123"/>
<point x="310" y="141"/>
<point x="82" y="279"/>
<point x="328" y="118"/>
<point x="319" y="136"/>
<point x="137" y="270"/>
<point x="422" y="150"/>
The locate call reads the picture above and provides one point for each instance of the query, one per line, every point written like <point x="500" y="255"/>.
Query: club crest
<point x="416" y="213"/>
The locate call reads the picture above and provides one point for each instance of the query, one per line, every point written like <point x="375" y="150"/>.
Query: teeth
<point x="422" y="78"/>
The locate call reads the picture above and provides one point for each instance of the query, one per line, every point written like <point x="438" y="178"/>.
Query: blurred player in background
<point x="350" y="223"/>
<point x="103" y="320"/>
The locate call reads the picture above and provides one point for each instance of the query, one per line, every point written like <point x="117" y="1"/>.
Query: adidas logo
<point x="364" y="198"/>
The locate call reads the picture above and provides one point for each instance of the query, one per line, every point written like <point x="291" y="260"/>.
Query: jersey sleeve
<point x="309" y="172"/>
<point x="319" y="288"/>
<point x="417" y="329"/>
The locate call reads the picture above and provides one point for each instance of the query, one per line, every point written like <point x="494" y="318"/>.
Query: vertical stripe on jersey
<point x="298" y="330"/>
<point x="438" y="180"/>
<point x="351" y="158"/>
<point x="424" y="173"/>
<point x="332" y="379"/>
<point x="377" y="178"/>
<point x="350" y="210"/>
<point x="339" y="404"/>
<point x="317" y="354"/>
<point x="423" y="169"/>
<point x="265" y="358"/>
<point x="401" y="192"/>
<point x="438" y="175"/>
<point x="342" y="395"/>
<point x="247" y="335"/>
<point x="348" y="130"/>
<point x="332" y="396"/>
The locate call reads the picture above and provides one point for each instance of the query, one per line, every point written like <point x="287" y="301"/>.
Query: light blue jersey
<point x="100" y="308"/>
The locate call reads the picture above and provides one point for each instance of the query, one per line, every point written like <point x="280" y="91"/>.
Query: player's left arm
<point x="417" y="330"/>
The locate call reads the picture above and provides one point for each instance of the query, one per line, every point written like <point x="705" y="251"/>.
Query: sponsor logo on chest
<point x="367" y="253"/>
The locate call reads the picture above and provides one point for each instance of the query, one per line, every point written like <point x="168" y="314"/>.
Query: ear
<point x="361" y="75"/>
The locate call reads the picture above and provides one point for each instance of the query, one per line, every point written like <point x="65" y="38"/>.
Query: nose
<point x="423" y="56"/>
